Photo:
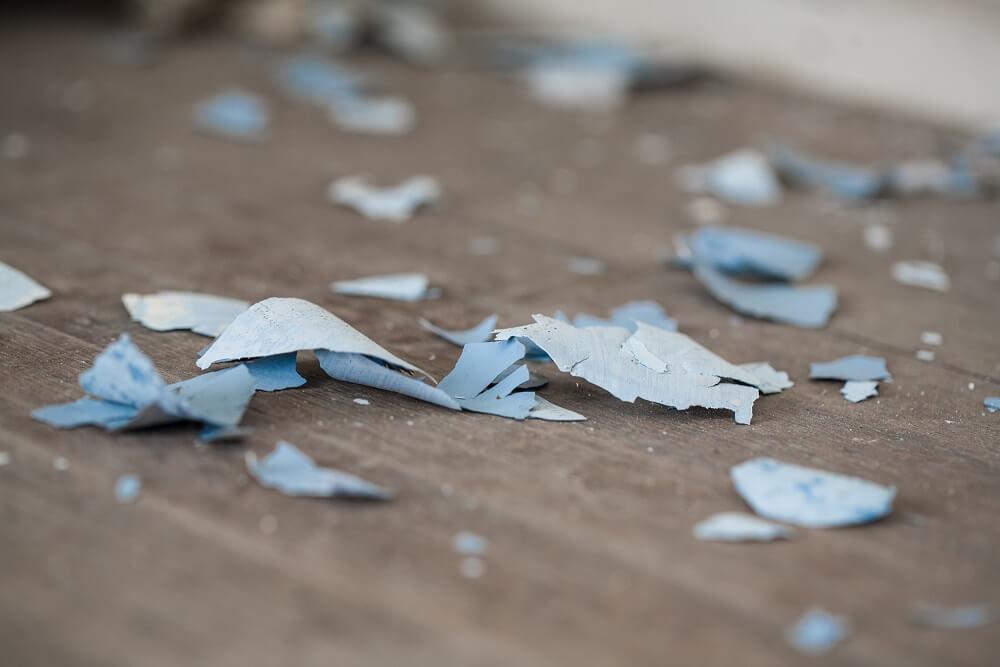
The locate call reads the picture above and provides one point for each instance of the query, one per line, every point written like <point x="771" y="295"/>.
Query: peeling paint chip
<point x="844" y="181"/>
<point x="771" y="381"/>
<point x="856" y="391"/>
<point x="394" y="287"/>
<point x="17" y="290"/>
<point x="808" y="497"/>
<point x="290" y="471"/>
<point x="388" y="116"/>
<point x="627" y="315"/>
<point x="921" y="274"/>
<point x="204" y="314"/>
<point x="657" y="365"/>
<point x="480" y="333"/>
<point x="855" y="367"/>
<point x="738" y="527"/>
<point x="742" y="177"/>
<point x="992" y="403"/>
<point x="817" y="631"/>
<point x="127" y="488"/>
<point x="745" y="252"/>
<point x="395" y="204"/>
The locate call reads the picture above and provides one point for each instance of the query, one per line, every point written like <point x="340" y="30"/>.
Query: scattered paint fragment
<point x="318" y="81"/>
<point x="925" y="355"/>
<point x="395" y="204"/>
<point x="856" y="391"/>
<point x="854" y="367"/>
<point x="290" y="471"/>
<point x="809" y="497"/>
<point x="362" y="401"/>
<point x="992" y="403"/>
<point x="480" y="333"/>
<point x="360" y="369"/>
<point x="933" y="177"/>
<point x="413" y="32"/>
<point x="129" y="394"/>
<point x="657" y="365"/>
<point x="817" y="631"/>
<point x="17" y="290"/>
<point x="751" y="253"/>
<point x="931" y="338"/>
<point x="549" y="412"/>
<point x="921" y="274"/>
<point x="234" y="114"/>
<point x="4" y="459"/>
<point x="127" y="488"/>
<point x="843" y="181"/>
<point x="627" y="315"/>
<point x="388" y="116"/>
<point x="951" y="618"/>
<point x="808" y="307"/>
<point x="771" y="381"/>
<point x="395" y="287"/>
<point x="204" y="314"/>
<point x="470" y="544"/>
<point x="878" y="238"/>
<point x="743" y="177"/>
<point x="282" y="325"/>
<point x="275" y="373"/>
<point x="738" y="527"/>
<point x="585" y="266"/>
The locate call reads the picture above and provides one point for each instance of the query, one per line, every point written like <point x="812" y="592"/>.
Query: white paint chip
<point x="204" y="314"/>
<point x="394" y="287"/>
<point x="878" y="238"/>
<point x="925" y="355"/>
<point x="921" y="274"/>
<point x="856" y="391"/>
<point x="393" y="204"/>
<point x="738" y="527"/>
<point x="362" y="401"/>
<point x="931" y="338"/>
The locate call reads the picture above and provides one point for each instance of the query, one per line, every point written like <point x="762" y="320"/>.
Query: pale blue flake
<point x="498" y="399"/>
<point x="478" y="366"/>
<point x="951" y="618"/>
<point x="86" y="411"/>
<point x="627" y="315"/>
<point x="123" y="374"/>
<point x="394" y="287"/>
<point x="290" y="471"/>
<point x="992" y="403"/>
<point x="855" y="367"/>
<point x="844" y="181"/>
<point x="742" y="177"/>
<point x="747" y="252"/>
<point x="275" y="373"/>
<point x="234" y="114"/>
<point x="127" y="488"/>
<point x="808" y="497"/>
<point x="817" y="632"/>
<point x="359" y="369"/>
<point x="738" y="527"/>
<point x="204" y="314"/>
<point x="480" y="333"/>
<point x="18" y="290"/>
<point x="317" y="80"/>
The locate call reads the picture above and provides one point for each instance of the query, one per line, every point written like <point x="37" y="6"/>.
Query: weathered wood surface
<point x="591" y="556"/>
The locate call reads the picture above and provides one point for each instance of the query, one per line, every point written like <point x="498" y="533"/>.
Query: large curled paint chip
<point x="808" y="306"/>
<point x="288" y="470"/>
<point x="18" y="290"/>
<point x="282" y="325"/>
<point x="394" y="204"/>
<point x="656" y="365"/>
<point x="204" y="314"/>
<point x="747" y="252"/>
<point x="394" y="287"/>
<point x="808" y="497"/>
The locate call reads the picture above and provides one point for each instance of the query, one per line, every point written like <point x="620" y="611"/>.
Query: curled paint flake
<point x="738" y="527"/>
<point x="395" y="287"/>
<point x="204" y="314"/>
<point x="17" y="290"/>
<point x="747" y="252"/>
<point x="394" y="204"/>
<point x="480" y="333"/>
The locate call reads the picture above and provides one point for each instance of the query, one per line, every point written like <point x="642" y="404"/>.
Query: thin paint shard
<point x="234" y="114"/>
<point x="394" y="204"/>
<point x="747" y="252"/>
<point x="386" y="116"/>
<point x="359" y="369"/>
<point x="656" y="365"/>
<point x="817" y="631"/>
<point x="853" y="367"/>
<point x="844" y="181"/>
<point x="282" y="325"/>
<point x="738" y="527"/>
<point x="628" y="315"/>
<point x="951" y="618"/>
<point x="480" y="333"/>
<point x="498" y="399"/>
<point x="288" y="470"/>
<point x="770" y="381"/>
<point x="743" y="177"/>
<point x="856" y="391"/>
<point x="808" y="307"/>
<point x="395" y="287"/>
<point x="275" y="373"/>
<point x="18" y="290"/>
<point x="921" y="274"/>
<point x="204" y="314"/>
<point x="130" y="394"/>
<point x="550" y="412"/>
<point x="808" y="497"/>
<point x="478" y="366"/>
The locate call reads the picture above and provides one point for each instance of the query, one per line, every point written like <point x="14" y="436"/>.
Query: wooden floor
<point x="591" y="558"/>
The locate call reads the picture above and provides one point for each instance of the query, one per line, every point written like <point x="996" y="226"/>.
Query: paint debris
<point x="992" y="403"/>
<point x="856" y="391"/>
<point x="878" y="238"/>
<point x="387" y="115"/>
<point x="361" y="369"/>
<point x="362" y="401"/>
<point x="470" y="544"/>
<point x="395" y="287"/>
<point x="627" y="316"/>
<point x="809" y="497"/>
<point x="234" y="114"/>
<point x="126" y="392"/>
<point x="854" y="367"/>
<point x="204" y="314"/>
<point x="931" y="338"/>
<point x="290" y="471"/>
<point x="744" y="252"/>
<point x="921" y="274"/>
<point x="925" y="355"/>
<point x="661" y="366"/>
<point x="842" y="180"/>
<point x="17" y="290"/>
<point x="743" y="177"/>
<point x="955" y="179"/>
<point x="817" y="631"/>
<point x="395" y="204"/>
<point x="585" y="266"/>
<point x="275" y="373"/>
<point x="480" y="333"/>
<point x="127" y="488"/>
<point x="738" y="527"/>
<point x="951" y="618"/>
<point x="808" y="307"/>
<point x="771" y="381"/>
<point x="316" y="80"/>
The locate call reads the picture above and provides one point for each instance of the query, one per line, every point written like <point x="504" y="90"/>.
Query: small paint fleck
<point x="61" y="464"/>
<point x="362" y="401"/>
<point x="925" y="355"/>
<point x="127" y="488"/>
<point x="472" y="567"/>
<point x="470" y="544"/>
<point x="931" y="338"/>
<point x="817" y="632"/>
